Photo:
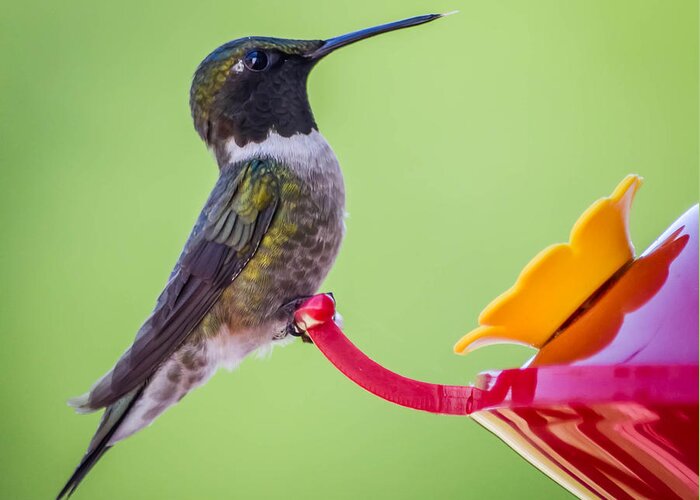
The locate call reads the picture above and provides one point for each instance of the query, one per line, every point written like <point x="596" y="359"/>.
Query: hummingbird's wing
<point x="225" y="237"/>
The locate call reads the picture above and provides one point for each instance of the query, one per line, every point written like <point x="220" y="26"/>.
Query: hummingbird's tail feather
<point x="113" y="417"/>
<point x="81" y="404"/>
<point x="88" y="461"/>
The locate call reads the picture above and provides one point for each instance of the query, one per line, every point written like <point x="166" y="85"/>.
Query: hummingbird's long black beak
<point x="341" y="41"/>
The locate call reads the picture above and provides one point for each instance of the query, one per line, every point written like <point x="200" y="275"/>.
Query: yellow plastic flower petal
<point x="561" y="277"/>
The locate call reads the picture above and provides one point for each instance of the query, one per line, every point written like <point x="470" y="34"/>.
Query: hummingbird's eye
<point x="256" y="60"/>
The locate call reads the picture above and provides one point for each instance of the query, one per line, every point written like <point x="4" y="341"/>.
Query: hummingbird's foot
<point x="288" y="310"/>
<point x="293" y="330"/>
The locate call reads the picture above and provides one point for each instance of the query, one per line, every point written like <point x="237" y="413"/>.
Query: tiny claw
<point x="291" y="329"/>
<point x="314" y="311"/>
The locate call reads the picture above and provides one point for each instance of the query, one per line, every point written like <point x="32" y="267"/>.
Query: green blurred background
<point x="468" y="145"/>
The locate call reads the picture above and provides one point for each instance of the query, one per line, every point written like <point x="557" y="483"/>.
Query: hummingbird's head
<point x="252" y="86"/>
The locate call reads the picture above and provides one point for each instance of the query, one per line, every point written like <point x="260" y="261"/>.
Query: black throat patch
<point x="252" y="104"/>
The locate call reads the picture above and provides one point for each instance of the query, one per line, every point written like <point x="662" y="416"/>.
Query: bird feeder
<point x="608" y="407"/>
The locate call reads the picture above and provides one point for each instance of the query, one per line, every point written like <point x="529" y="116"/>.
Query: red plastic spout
<point x="315" y="317"/>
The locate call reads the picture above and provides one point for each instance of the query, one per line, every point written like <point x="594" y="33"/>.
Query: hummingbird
<point x="265" y="240"/>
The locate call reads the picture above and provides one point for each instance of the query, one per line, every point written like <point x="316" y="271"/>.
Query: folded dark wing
<point x="227" y="234"/>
